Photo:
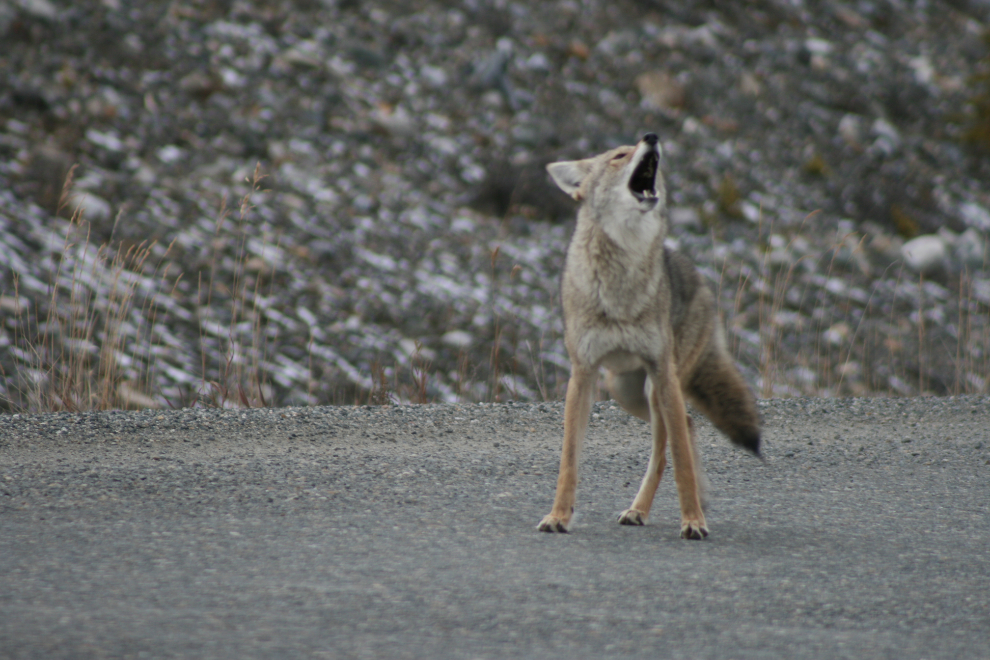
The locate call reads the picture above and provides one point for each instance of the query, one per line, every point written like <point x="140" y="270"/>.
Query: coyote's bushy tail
<point x="718" y="390"/>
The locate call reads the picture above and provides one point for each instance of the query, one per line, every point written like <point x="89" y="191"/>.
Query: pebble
<point x="851" y="129"/>
<point x="888" y="138"/>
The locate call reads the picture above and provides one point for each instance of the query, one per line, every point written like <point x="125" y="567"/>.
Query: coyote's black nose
<point x="651" y="139"/>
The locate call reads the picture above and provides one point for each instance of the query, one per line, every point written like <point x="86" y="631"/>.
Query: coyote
<point x="642" y="311"/>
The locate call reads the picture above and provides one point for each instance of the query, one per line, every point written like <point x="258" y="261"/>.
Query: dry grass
<point x="844" y="347"/>
<point x="79" y="351"/>
<point x="70" y="343"/>
<point x="240" y="377"/>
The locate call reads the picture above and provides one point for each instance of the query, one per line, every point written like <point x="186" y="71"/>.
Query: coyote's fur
<point x="641" y="311"/>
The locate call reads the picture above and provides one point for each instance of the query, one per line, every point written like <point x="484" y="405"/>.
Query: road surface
<point x="410" y="532"/>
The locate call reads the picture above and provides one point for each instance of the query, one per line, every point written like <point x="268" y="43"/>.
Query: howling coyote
<point x="640" y="310"/>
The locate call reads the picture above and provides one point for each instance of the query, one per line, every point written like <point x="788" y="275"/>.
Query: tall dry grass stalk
<point x="494" y="365"/>
<point x="237" y="374"/>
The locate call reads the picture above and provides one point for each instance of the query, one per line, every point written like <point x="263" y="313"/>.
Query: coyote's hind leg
<point x="668" y="413"/>
<point x="638" y="512"/>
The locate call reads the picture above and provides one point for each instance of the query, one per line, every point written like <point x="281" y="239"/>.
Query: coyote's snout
<point x="640" y="310"/>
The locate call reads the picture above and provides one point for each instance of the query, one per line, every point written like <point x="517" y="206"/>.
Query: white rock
<point x="109" y="140"/>
<point x="39" y="8"/>
<point x="89" y="181"/>
<point x="538" y="62"/>
<point x="462" y="224"/>
<point x="805" y="376"/>
<point x="837" y="334"/>
<point x="692" y="126"/>
<point x="473" y="173"/>
<point x="888" y="137"/>
<point x="975" y="215"/>
<point x="14" y="304"/>
<point x="306" y="54"/>
<point x="925" y="254"/>
<point x="950" y="237"/>
<point x="170" y="154"/>
<point x="924" y="72"/>
<point x="135" y="398"/>
<point x="851" y="129"/>
<point x="92" y="207"/>
<point x="751" y="211"/>
<point x="818" y="46"/>
<point x="457" y="339"/>
<point x="750" y="85"/>
<point x="408" y="346"/>
<point x="433" y="76"/>
<point x="394" y="120"/>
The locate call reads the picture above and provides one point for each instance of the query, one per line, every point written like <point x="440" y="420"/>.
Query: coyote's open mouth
<point x="643" y="181"/>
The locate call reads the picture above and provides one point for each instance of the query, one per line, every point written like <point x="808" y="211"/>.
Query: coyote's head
<point x="625" y="180"/>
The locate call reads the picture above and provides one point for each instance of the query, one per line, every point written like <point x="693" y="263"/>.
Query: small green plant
<point x="816" y="166"/>
<point x="729" y="198"/>
<point x="905" y="225"/>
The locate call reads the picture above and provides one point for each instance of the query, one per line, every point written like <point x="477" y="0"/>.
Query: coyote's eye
<point x="620" y="156"/>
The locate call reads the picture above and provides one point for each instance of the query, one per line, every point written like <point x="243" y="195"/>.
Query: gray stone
<point x="975" y="215"/>
<point x="970" y="250"/>
<point x="888" y="138"/>
<point x="38" y="8"/>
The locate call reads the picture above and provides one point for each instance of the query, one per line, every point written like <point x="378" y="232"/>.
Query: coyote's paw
<point x="632" y="517"/>
<point x="693" y="529"/>
<point x="552" y="523"/>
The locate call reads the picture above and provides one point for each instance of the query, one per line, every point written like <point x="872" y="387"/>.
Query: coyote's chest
<point x="616" y="283"/>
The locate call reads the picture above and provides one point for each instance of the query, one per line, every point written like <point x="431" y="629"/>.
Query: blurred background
<point x="273" y="202"/>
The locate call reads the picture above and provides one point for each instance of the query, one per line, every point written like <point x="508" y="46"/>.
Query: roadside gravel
<point x="409" y="531"/>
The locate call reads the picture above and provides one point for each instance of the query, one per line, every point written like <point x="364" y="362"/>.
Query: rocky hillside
<point x="335" y="201"/>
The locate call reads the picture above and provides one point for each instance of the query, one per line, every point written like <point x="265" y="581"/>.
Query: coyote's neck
<point x="624" y="266"/>
<point x="635" y="236"/>
<point x="626" y="245"/>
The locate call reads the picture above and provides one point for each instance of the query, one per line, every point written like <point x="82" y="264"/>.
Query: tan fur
<point x="641" y="311"/>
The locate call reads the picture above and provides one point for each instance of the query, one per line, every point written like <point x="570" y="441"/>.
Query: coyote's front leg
<point x="577" y="407"/>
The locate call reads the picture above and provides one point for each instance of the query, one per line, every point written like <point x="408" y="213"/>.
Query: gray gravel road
<point x="410" y="532"/>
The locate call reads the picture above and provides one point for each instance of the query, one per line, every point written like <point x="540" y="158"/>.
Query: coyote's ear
<point x="569" y="175"/>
